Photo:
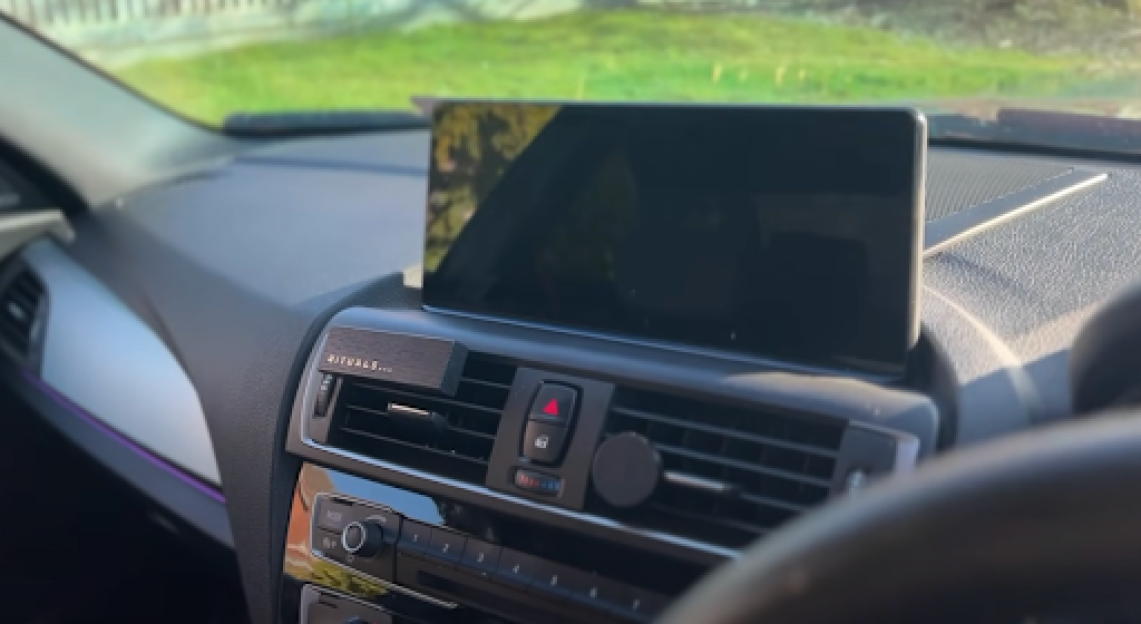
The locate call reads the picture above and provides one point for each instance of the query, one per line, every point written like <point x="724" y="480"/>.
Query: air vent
<point x="20" y="303"/>
<point x="730" y="474"/>
<point x="448" y="436"/>
<point x="9" y="198"/>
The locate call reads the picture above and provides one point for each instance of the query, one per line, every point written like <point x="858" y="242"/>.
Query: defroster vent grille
<point x="450" y="436"/>
<point x="730" y="474"/>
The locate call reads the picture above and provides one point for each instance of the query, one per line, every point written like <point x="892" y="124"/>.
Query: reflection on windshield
<point x="211" y="58"/>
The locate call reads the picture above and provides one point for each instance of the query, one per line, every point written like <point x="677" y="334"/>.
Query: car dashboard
<point x="202" y="339"/>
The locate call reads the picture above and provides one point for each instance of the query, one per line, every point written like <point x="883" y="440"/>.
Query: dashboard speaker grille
<point x="957" y="182"/>
<point x="450" y="436"/>
<point x="20" y="303"/>
<point x="730" y="474"/>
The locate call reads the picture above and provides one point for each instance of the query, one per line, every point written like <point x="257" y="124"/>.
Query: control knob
<point x="363" y="539"/>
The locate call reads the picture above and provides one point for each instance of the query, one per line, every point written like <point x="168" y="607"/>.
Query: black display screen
<point x="789" y="233"/>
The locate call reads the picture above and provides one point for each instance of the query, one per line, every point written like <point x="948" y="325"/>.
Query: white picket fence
<point x="53" y="13"/>
<point x="118" y="32"/>
<point x="49" y="13"/>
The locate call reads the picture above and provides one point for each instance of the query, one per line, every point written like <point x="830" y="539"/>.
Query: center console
<point x="429" y="559"/>
<point x="619" y="371"/>
<point x="566" y="479"/>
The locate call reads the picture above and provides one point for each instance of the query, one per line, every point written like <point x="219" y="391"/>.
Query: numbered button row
<point x="469" y="555"/>
<point x="566" y="584"/>
<point x="445" y="547"/>
<point x="511" y="568"/>
<point x="525" y="572"/>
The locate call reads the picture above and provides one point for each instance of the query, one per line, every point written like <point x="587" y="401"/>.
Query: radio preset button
<point x="446" y="546"/>
<point x="515" y="568"/>
<point x="415" y="538"/>
<point x="557" y="581"/>
<point x="641" y="603"/>
<point x="596" y="591"/>
<point x="480" y="557"/>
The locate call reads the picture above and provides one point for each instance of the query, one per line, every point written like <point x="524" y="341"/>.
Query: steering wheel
<point x="1041" y="523"/>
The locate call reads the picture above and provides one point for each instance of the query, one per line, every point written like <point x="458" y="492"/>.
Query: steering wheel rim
<point x="1045" y="521"/>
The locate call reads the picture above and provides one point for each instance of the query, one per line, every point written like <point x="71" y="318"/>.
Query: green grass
<point x="601" y="56"/>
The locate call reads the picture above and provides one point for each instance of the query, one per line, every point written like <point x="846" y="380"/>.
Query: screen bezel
<point x="876" y="369"/>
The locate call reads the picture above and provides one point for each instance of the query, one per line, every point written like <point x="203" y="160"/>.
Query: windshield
<point x="210" y="59"/>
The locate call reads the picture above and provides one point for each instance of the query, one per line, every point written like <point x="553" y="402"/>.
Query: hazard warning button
<point x="554" y="403"/>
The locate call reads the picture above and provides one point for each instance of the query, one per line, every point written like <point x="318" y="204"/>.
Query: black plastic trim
<point x="617" y="362"/>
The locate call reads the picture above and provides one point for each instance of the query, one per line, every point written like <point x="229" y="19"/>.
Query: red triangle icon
<point x="551" y="408"/>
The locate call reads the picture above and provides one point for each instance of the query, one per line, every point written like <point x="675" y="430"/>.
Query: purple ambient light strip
<point x="122" y="440"/>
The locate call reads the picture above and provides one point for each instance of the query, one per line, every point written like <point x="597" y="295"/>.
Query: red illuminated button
<point x="537" y="482"/>
<point x="554" y="403"/>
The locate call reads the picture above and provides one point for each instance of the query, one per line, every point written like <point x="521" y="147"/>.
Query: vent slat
<point x="454" y="438"/>
<point x="474" y="434"/>
<point x="729" y="433"/>
<point x="26" y="301"/>
<point x="19" y="304"/>
<point x="431" y="399"/>
<point x="418" y="447"/>
<point x="384" y="414"/>
<point x="772" y="502"/>
<point x="16" y="316"/>
<point x="28" y="287"/>
<point x="14" y="336"/>
<point x="773" y="466"/>
<point x="753" y="529"/>
<point x="740" y="465"/>
<point x="484" y="382"/>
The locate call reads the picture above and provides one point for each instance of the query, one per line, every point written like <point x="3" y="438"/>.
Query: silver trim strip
<point x="388" y="584"/>
<point x="940" y="233"/>
<point x="694" y="482"/>
<point x="405" y="410"/>
<point x="106" y="360"/>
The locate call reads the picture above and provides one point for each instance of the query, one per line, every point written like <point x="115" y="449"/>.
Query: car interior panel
<point x="563" y="362"/>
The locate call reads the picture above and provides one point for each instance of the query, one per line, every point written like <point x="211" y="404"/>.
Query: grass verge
<point x="629" y="55"/>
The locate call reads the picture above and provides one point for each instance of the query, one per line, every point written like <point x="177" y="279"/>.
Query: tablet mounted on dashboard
<point x="784" y="233"/>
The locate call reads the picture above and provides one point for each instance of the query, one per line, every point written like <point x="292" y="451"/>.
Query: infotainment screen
<point x="786" y="233"/>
